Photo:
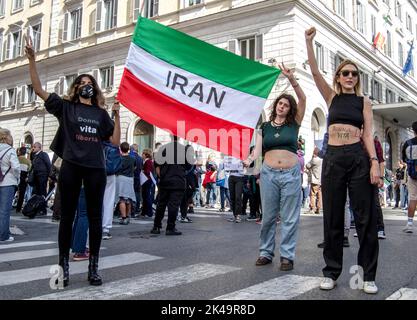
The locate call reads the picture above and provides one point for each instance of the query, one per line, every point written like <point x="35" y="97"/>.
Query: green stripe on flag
<point x="203" y="59"/>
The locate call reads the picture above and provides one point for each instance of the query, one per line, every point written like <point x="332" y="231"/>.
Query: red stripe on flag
<point x="186" y="122"/>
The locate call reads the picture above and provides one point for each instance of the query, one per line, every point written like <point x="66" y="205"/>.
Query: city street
<point x="213" y="259"/>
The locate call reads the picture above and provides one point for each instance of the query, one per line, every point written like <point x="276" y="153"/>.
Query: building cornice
<point x="24" y="113"/>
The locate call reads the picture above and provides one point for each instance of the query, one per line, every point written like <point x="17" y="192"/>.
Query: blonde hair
<point x="148" y="153"/>
<point x="336" y="85"/>
<point x="4" y="134"/>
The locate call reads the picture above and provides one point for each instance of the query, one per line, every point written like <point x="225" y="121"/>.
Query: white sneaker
<point x="355" y="234"/>
<point x="327" y="284"/>
<point x="408" y="228"/>
<point x="370" y="287"/>
<point x="8" y="240"/>
<point x="381" y="235"/>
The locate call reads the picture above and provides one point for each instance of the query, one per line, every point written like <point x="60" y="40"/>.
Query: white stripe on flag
<point x="154" y="72"/>
<point x="25" y="244"/>
<point x="404" y="294"/>
<point x="141" y="285"/>
<point x="281" y="288"/>
<point x="39" y="273"/>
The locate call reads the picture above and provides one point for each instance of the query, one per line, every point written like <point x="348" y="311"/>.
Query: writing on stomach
<point x="280" y="159"/>
<point x="341" y="134"/>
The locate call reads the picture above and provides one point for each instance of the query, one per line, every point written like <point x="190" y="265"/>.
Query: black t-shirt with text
<point x="82" y="129"/>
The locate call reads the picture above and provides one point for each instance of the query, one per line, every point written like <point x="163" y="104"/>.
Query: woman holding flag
<point x="280" y="178"/>
<point x="83" y="126"/>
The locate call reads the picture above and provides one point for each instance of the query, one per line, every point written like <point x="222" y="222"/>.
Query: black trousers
<point x="236" y="194"/>
<point x="172" y="199"/>
<point x="71" y="177"/>
<point x="40" y="185"/>
<point x="22" y="190"/>
<point x="397" y="192"/>
<point x="348" y="166"/>
<point x="57" y="203"/>
<point x="379" y="216"/>
<point x="187" y="199"/>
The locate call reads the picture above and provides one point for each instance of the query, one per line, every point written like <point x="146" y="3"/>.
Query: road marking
<point x="25" y="244"/>
<point x="39" y="273"/>
<point x="199" y="215"/>
<point x="404" y="294"/>
<point x="141" y="221"/>
<point x="38" y="220"/>
<point x="15" y="230"/>
<point x="142" y="284"/>
<point x="24" y="255"/>
<point x="281" y="288"/>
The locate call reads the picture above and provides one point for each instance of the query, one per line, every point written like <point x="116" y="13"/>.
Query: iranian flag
<point x="195" y="90"/>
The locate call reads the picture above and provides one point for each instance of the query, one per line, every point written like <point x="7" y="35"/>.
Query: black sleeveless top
<point x="346" y="109"/>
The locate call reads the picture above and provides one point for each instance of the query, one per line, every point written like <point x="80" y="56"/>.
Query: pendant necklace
<point x="278" y="127"/>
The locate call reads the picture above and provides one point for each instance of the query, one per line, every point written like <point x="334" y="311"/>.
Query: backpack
<point x="1" y="173"/>
<point x="411" y="164"/>
<point x="112" y="157"/>
<point x="35" y="204"/>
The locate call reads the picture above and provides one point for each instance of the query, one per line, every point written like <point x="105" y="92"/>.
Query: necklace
<point x="275" y="124"/>
<point x="277" y="127"/>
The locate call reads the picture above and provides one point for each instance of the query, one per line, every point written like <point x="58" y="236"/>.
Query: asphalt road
<point x="213" y="259"/>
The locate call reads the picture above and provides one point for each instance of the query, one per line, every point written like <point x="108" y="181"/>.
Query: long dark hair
<point x="98" y="97"/>
<point x="292" y="113"/>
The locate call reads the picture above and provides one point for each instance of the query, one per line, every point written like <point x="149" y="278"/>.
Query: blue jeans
<point x="210" y="189"/>
<point x="403" y="196"/>
<point x="197" y="198"/>
<point x="6" y="200"/>
<point x="224" y="194"/>
<point x="280" y="194"/>
<point x="80" y="228"/>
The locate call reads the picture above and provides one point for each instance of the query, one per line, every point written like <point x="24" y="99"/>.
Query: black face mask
<point x="86" y="91"/>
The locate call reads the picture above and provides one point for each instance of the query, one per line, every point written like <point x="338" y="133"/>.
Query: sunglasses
<point x="346" y="73"/>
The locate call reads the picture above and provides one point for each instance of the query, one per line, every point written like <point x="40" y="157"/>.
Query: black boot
<point x="93" y="276"/>
<point x="64" y="263"/>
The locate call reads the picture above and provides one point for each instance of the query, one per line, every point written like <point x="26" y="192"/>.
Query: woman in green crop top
<point x="280" y="174"/>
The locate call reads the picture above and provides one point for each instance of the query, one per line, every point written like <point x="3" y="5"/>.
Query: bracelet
<point x="374" y="159"/>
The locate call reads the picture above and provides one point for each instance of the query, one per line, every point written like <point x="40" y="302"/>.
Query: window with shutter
<point x="1" y="46"/>
<point x="65" y="30"/>
<point x="2" y="7"/>
<point x="136" y="9"/>
<point x="95" y="73"/>
<point x="99" y="15"/>
<point x="4" y="99"/>
<point x="37" y="31"/>
<point x="232" y="45"/>
<point x="259" y="47"/>
<point x="23" y="95"/>
<point x="247" y="48"/>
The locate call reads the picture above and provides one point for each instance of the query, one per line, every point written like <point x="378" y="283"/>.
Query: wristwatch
<point x="374" y="158"/>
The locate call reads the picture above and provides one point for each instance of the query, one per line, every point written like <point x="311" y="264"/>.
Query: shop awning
<point x="401" y="113"/>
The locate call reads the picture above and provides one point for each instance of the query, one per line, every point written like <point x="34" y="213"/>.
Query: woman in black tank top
<point x="347" y="167"/>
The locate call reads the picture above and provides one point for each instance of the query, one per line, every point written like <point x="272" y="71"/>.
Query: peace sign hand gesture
<point x="285" y="71"/>
<point x="30" y="52"/>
